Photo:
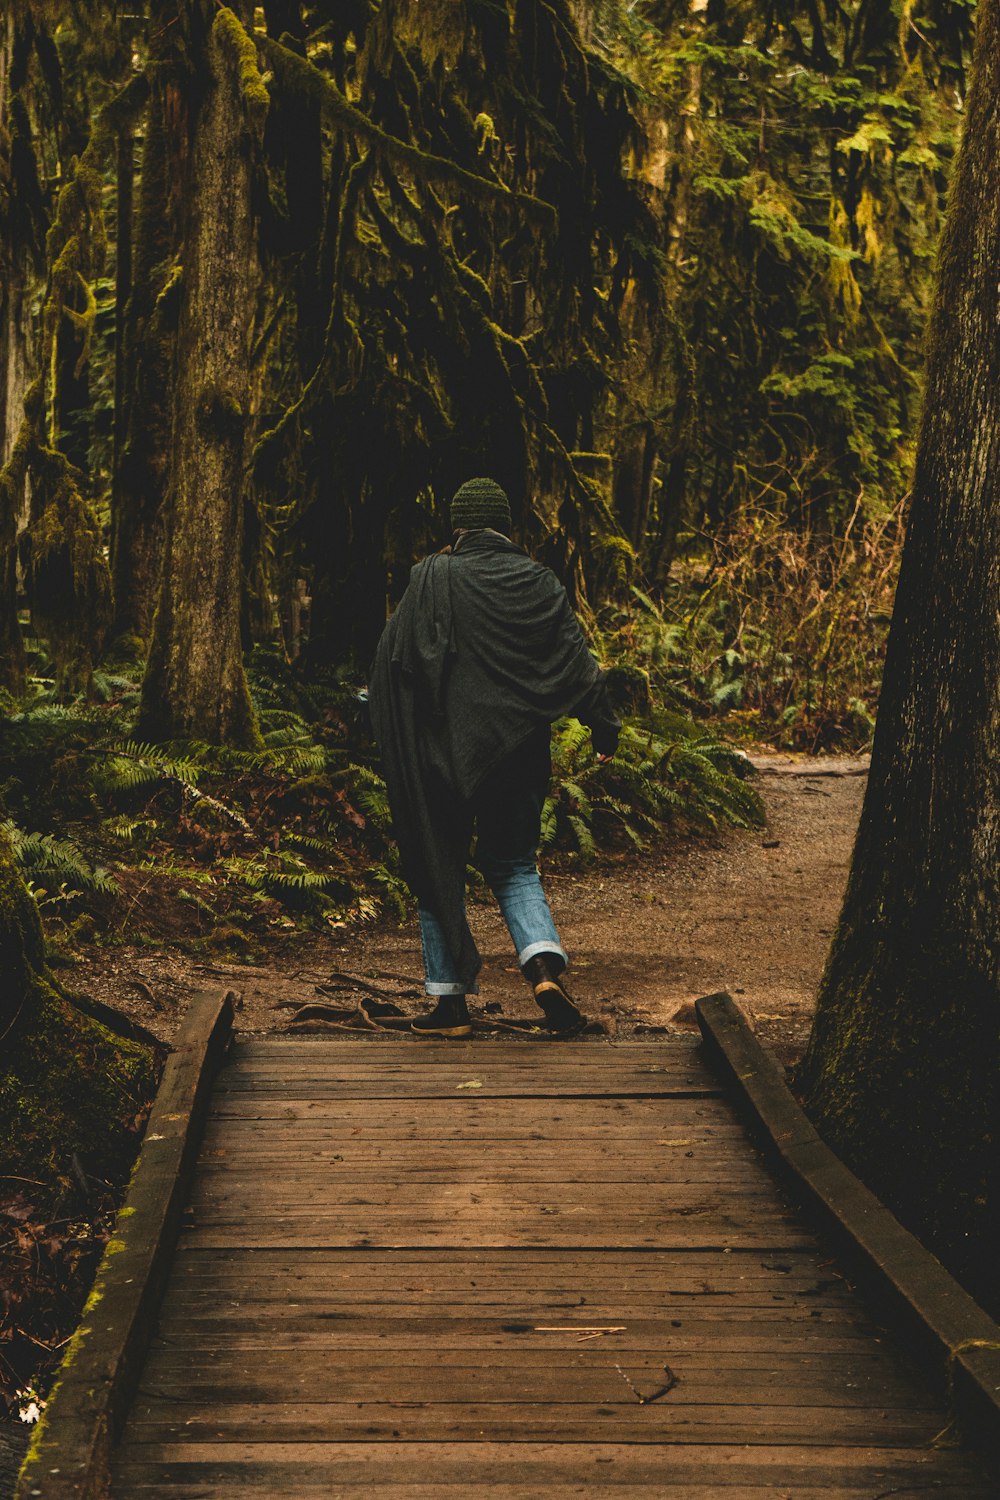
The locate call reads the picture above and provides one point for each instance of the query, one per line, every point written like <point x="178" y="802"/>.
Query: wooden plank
<point x="245" y="1329"/>
<point x="688" y="1214"/>
<point x="515" y="1117"/>
<point x="863" y="1363"/>
<point x="263" y="1315"/>
<point x="427" y="1085"/>
<point x="431" y="1338"/>
<point x="528" y="1053"/>
<point x="325" y="1181"/>
<point x="282" y="1382"/>
<point x="613" y="1065"/>
<point x="416" y="1088"/>
<point x="514" y="1264"/>
<point x="538" y="1468"/>
<point x="419" y="1278"/>
<point x="924" y="1299"/>
<point x="417" y="1299"/>
<point x="555" y="1070"/>
<point x="70" y="1454"/>
<point x="478" y="1196"/>
<point x="427" y="1235"/>
<point x="413" y="1158"/>
<point x="148" y="1483"/>
<point x="504" y="1421"/>
<point x="874" y="1465"/>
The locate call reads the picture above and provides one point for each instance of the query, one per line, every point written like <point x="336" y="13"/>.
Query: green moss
<point x="425" y="165"/>
<point x="168" y="297"/>
<point x="67" y="1084"/>
<point x="229" y="32"/>
<point x="70" y="1086"/>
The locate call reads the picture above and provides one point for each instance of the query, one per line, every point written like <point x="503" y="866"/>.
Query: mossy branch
<point x="299" y="73"/>
<point x="232" y="37"/>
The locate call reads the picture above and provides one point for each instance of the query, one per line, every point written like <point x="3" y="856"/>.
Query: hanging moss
<point x="301" y="74"/>
<point x="66" y="574"/>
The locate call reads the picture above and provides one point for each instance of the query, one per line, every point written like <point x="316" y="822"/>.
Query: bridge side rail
<point x="70" y="1452"/>
<point x="955" y="1339"/>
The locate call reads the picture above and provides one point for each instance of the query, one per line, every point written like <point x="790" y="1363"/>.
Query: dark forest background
<point x="276" y="279"/>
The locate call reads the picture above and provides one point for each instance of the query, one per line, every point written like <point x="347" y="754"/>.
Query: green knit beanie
<point x="479" y="503"/>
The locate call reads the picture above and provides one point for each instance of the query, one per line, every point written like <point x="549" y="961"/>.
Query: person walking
<point x="482" y="653"/>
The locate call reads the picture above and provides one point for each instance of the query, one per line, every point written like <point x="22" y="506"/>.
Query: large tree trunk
<point x="16" y="273"/>
<point x="67" y="1085"/>
<point x="195" y="685"/>
<point x="150" y="289"/>
<point x="903" y="1067"/>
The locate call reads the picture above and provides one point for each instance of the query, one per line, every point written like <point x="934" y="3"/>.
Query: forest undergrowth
<point x="763" y="636"/>
<point x="236" y="843"/>
<point x="776" y="633"/>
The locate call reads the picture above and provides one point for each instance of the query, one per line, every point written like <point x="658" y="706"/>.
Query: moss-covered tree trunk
<point x="195" y="685"/>
<point x="146" y="343"/>
<point x="67" y="1084"/>
<point x="19" y="195"/>
<point x="903" y="1067"/>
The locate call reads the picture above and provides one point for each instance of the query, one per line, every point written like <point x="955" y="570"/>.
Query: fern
<point x="393" y="891"/>
<point x="325" y="848"/>
<point x="127" y="766"/>
<point x="584" y="837"/>
<point x="665" y="768"/>
<point x="41" y="855"/>
<point x="368" y="790"/>
<point x="128" y="829"/>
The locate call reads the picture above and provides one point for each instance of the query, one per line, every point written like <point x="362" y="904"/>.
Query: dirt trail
<point x="747" y="912"/>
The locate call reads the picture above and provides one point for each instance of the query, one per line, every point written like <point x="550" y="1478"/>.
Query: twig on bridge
<point x="672" y="1380"/>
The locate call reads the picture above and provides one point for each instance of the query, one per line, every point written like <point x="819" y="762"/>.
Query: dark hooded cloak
<point x="482" y="650"/>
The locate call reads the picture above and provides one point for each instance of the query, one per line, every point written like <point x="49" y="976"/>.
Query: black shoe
<point x="450" y="1017"/>
<point x="562" y="1017"/>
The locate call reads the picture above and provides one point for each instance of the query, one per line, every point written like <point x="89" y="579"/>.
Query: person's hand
<point x="603" y="759"/>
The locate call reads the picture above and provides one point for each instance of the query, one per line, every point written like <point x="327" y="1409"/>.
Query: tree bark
<point x="16" y="270"/>
<point x="903" y="1067"/>
<point x="146" y="334"/>
<point x="195" y="686"/>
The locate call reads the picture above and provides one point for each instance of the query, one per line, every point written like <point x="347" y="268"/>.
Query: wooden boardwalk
<point x="519" y="1268"/>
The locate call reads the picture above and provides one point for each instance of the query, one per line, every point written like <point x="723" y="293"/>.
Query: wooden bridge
<point x="512" y="1268"/>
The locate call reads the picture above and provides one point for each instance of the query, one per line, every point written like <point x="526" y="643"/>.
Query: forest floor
<point x="747" y="911"/>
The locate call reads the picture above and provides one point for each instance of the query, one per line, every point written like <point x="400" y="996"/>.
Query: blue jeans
<point x="507" y="812"/>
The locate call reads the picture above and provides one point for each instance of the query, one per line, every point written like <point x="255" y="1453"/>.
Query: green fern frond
<point x="584" y="837"/>
<point x="39" y="854"/>
<point x="323" y="847"/>
<point x="127" y="828"/>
